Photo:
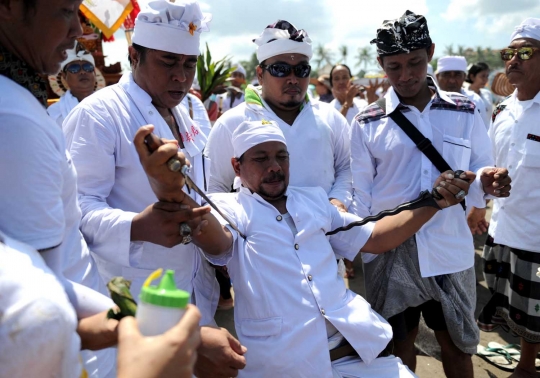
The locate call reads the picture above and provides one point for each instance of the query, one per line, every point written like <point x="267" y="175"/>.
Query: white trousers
<point x="382" y="367"/>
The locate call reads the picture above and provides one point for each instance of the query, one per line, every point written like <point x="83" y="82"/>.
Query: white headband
<point x="451" y="63"/>
<point x="252" y="133"/>
<point x="240" y="68"/>
<point x="274" y="40"/>
<point x="171" y="27"/>
<point x="530" y="28"/>
<point x="73" y="55"/>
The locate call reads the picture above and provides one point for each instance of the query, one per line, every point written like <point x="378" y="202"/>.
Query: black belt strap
<point x="423" y="143"/>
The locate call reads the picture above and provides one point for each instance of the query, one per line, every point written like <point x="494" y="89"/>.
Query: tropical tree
<point x="461" y="50"/>
<point x="212" y="74"/>
<point x="449" y="50"/>
<point x="344" y="51"/>
<point x="251" y="67"/>
<point x="364" y="57"/>
<point x="322" y="55"/>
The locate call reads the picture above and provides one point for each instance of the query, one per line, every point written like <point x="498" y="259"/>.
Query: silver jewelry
<point x="185" y="232"/>
<point x="460" y="195"/>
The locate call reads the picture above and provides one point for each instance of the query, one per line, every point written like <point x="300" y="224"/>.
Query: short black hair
<point x="141" y="50"/>
<point x="475" y="69"/>
<point x="332" y="71"/>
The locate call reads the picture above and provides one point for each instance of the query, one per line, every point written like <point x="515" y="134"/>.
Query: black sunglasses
<point x="76" y="67"/>
<point x="523" y="53"/>
<point x="301" y="70"/>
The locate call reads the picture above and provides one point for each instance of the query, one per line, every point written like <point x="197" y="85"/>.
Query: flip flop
<point x="498" y="357"/>
<point x="514" y="350"/>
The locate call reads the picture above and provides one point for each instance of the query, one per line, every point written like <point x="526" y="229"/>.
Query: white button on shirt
<point x="516" y="220"/>
<point x="388" y="169"/>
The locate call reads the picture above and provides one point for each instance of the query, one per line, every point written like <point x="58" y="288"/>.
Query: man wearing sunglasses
<point x="317" y="135"/>
<point x="79" y="73"/>
<point x="513" y="245"/>
<point x="432" y="273"/>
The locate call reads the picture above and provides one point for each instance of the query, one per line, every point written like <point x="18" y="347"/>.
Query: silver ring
<point x="460" y="195"/>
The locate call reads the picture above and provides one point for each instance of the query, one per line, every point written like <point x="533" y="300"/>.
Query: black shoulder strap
<point x="423" y="143"/>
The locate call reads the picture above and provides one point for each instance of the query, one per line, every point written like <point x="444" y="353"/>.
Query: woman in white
<point x="346" y="94"/>
<point x="477" y="77"/>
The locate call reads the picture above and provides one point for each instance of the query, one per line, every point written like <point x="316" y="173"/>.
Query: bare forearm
<point x="392" y="231"/>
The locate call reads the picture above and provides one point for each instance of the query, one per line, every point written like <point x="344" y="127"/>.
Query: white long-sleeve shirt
<point x="317" y="141"/>
<point x="287" y="284"/>
<point x="388" y="169"/>
<point x="113" y="188"/>
<point x="515" y="135"/>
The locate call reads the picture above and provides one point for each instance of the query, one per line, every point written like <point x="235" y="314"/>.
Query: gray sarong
<point x="394" y="283"/>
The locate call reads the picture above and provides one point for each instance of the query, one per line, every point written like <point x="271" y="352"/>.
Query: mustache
<point x="295" y="87"/>
<point x="275" y="176"/>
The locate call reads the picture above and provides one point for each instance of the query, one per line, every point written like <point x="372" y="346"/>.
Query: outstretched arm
<point x="392" y="231"/>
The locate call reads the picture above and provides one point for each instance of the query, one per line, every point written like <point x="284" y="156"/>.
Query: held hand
<point x="453" y="190"/>
<point x="172" y="354"/>
<point x="352" y="92"/>
<point x="477" y="221"/>
<point x="220" y="354"/>
<point x="166" y="185"/>
<point x="159" y="223"/>
<point x="97" y="331"/>
<point x="496" y="182"/>
<point x="337" y="203"/>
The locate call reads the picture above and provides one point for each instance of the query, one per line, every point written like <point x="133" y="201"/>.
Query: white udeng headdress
<point x="530" y="28"/>
<point x="452" y="63"/>
<point x="171" y="27"/>
<point x="252" y="133"/>
<point x="282" y="38"/>
<point x="77" y="54"/>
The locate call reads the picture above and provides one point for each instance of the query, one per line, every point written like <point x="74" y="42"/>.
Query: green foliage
<point x="322" y="55"/>
<point x="212" y="74"/>
<point x="251" y="67"/>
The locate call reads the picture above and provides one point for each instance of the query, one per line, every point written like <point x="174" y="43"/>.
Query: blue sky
<point x="333" y="23"/>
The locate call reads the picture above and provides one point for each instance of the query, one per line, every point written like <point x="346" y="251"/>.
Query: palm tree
<point x="211" y="74"/>
<point x="344" y="51"/>
<point x="364" y="57"/>
<point x="449" y="50"/>
<point x="461" y="51"/>
<point x="479" y="54"/>
<point x="322" y="55"/>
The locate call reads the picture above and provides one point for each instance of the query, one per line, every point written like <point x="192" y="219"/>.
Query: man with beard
<point x="317" y="134"/>
<point x="432" y="273"/>
<point x="512" y="252"/>
<point x="294" y="312"/>
<point x="128" y="235"/>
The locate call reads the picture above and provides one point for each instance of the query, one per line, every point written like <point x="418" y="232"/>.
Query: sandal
<point x="498" y="357"/>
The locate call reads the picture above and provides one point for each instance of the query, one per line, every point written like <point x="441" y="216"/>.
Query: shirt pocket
<point x="261" y="327"/>
<point x="457" y="152"/>
<point x="531" y="156"/>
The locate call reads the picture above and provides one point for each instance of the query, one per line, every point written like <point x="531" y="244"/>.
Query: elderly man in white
<point x="128" y="235"/>
<point x="293" y="311"/>
<point x="451" y="73"/>
<point x="316" y="132"/>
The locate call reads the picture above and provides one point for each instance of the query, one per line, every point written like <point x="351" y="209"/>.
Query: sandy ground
<point x="429" y="364"/>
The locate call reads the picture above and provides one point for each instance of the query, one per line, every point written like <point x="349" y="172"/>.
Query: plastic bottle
<point x="160" y="307"/>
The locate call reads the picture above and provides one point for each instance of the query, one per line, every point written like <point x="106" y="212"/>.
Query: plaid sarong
<point x="511" y="277"/>
<point x="394" y="283"/>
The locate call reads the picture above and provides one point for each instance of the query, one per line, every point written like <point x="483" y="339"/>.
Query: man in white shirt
<point x="38" y="193"/>
<point x="234" y="95"/>
<point x="431" y="273"/>
<point x="451" y="73"/>
<point x="316" y="132"/>
<point x="128" y="235"/>
<point x="512" y="252"/>
<point x="293" y="310"/>
<point x="79" y="72"/>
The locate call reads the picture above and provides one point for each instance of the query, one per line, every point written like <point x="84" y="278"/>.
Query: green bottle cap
<point x="165" y="294"/>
